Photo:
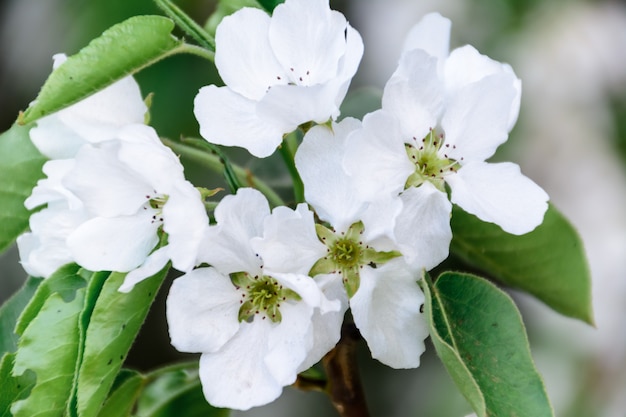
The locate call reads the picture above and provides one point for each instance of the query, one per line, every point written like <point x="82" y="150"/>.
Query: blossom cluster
<point x="265" y="290"/>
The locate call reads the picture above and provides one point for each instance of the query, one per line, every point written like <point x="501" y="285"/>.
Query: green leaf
<point x="49" y="344"/>
<point x="13" y="388"/>
<point x="269" y="5"/>
<point x="124" y="393"/>
<point x="225" y="8"/>
<point x="176" y="391"/>
<point x="122" y="50"/>
<point x="478" y="333"/>
<point x="187" y="24"/>
<point x="548" y="262"/>
<point x="20" y="168"/>
<point x="11" y="310"/>
<point x="113" y="326"/>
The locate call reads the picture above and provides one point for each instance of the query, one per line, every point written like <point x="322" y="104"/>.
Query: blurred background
<point x="570" y="138"/>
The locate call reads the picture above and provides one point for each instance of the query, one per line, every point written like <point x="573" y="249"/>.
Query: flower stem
<point x="288" y="151"/>
<point x="344" y="382"/>
<point x="214" y="163"/>
<point x="187" y="24"/>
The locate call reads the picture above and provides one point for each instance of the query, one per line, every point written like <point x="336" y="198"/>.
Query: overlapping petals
<point x="256" y="336"/>
<point x="280" y="72"/>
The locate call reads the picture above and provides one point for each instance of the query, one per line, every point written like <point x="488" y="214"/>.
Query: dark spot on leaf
<point x="422" y="308"/>
<point x="110" y="362"/>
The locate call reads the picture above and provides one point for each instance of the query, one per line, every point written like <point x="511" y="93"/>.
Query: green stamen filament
<point x="261" y="295"/>
<point x="429" y="164"/>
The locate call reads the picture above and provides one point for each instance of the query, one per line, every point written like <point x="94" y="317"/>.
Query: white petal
<point x="51" y="188"/>
<point x="327" y="187"/>
<point x="98" y="117"/>
<point x="289" y="242"/>
<point x="289" y="341"/>
<point x="349" y="63"/>
<point x="308" y="39"/>
<point x="307" y="288"/>
<point x="227" y="118"/>
<point x="376" y="157"/>
<point x="236" y="376"/>
<point x="380" y="221"/>
<point x="477" y="118"/>
<point x="239" y="219"/>
<point x="185" y="221"/>
<point x="386" y="309"/>
<point x="326" y="327"/>
<point x="431" y="34"/>
<point x="105" y="185"/>
<point x="466" y="65"/>
<point x="414" y="94"/>
<point x="296" y="104"/>
<point x="44" y="250"/>
<point x="41" y="260"/>
<point x="55" y="139"/>
<point x="202" y="311"/>
<point x="244" y="57"/>
<point x="155" y="262"/>
<point x="500" y="194"/>
<point x="142" y="151"/>
<point x="423" y="226"/>
<point x="114" y="244"/>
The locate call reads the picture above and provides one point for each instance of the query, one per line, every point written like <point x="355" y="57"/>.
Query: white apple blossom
<point x="442" y="116"/>
<point x="94" y="119"/>
<point x="280" y="72"/>
<point x="107" y="205"/>
<point x="363" y="252"/>
<point x="255" y="315"/>
<point x="132" y="187"/>
<point x="43" y="250"/>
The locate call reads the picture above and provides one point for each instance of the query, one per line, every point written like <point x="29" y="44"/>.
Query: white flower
<point x="442" y="116"/>
<point x="43" y="250"/>
<point x="362" y="252"/>
<point x="132" y="187"/>
<point x="254" y="316"/>
<point x="94" y="119"/>
<point x="280" y="72"/>
<point x="107" y="205"/>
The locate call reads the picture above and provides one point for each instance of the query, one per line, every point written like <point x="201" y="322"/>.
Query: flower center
<point x="261" y="295"/>
<point x="431" y="162"/>
<point x="347" y="254"/>
<point x="156" y="203"/>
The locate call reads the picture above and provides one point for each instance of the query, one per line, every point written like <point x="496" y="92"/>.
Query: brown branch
<point x="344" y="383"/>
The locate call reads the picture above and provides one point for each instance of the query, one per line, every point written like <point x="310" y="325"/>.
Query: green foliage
<point x="20" y="168"/>
<point x="11" y="310"/>
<point x="124" y="393"/>
<point x="49" y="344"/>
<point x="269" y="5"/>
<point x="187" y="24"/>
<point x="122" y="50"/>
<point x="479" y="335"/>
<point x="113" y="326"/>
<point x="548" y="262"/>
<point x="13" y="387"/>
<point x="175" y="390"/>
<point x="74" y="335"/>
